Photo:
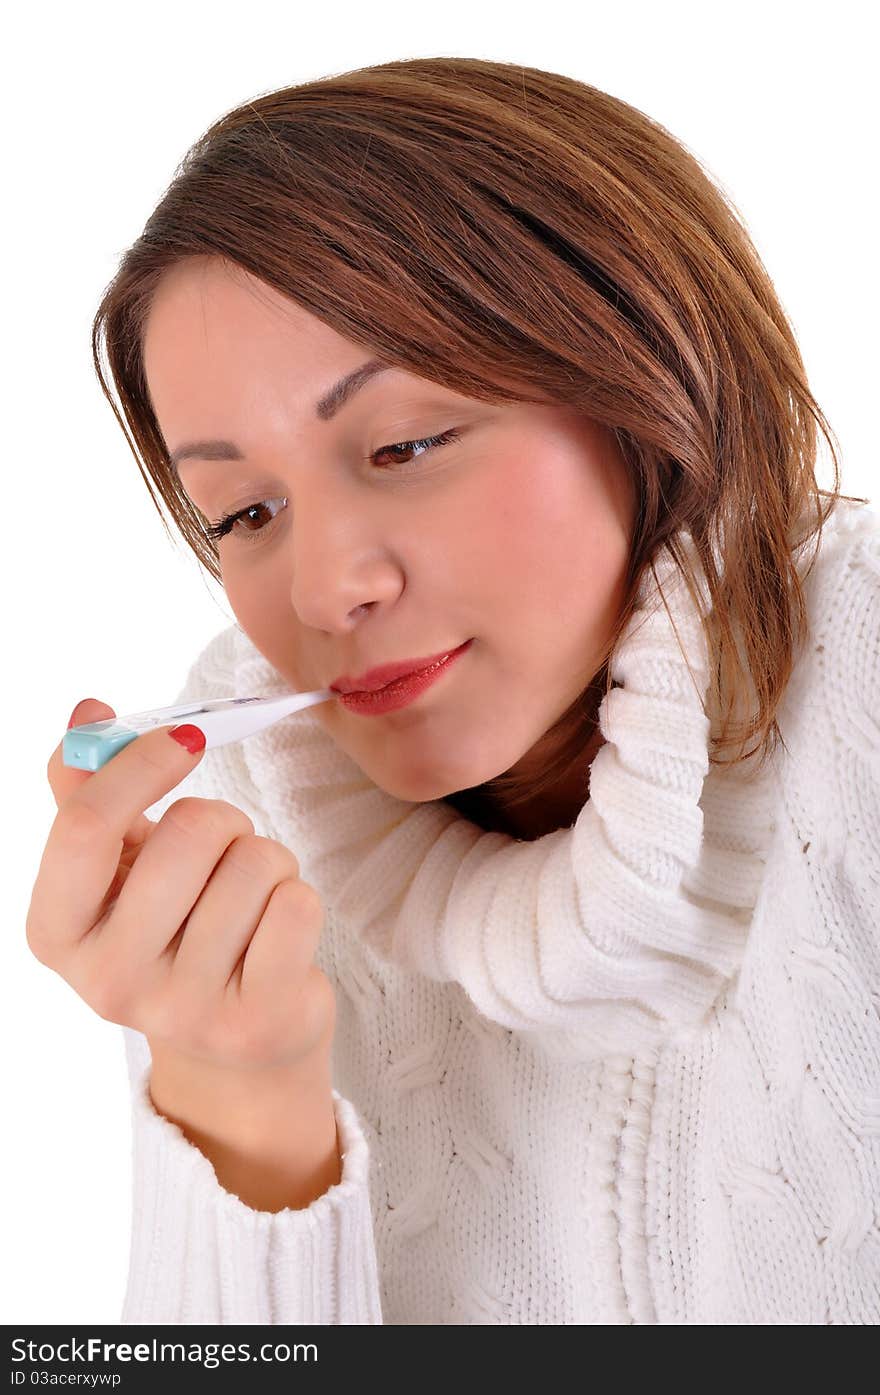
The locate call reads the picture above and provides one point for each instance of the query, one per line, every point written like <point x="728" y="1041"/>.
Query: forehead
<point x="214" y="304"/>
<point x="218" y="342"/>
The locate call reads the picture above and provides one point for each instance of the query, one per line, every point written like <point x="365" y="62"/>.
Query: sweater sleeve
<point x="198" y="1254"/>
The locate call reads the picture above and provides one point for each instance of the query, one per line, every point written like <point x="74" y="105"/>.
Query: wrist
<point x="284" y="1111"/>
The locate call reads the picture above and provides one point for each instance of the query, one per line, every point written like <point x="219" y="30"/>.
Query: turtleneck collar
<point x="429" y="890"/>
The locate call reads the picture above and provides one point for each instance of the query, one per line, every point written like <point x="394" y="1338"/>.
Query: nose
<point x="342" y="565"/>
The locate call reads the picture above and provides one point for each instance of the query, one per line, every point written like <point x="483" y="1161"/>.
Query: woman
<point x="502" y="997"/>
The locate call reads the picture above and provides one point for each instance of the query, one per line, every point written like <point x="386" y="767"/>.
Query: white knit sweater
<point x="627" y="1072"/>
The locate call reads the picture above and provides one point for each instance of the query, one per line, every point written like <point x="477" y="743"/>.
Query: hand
<point x="193" y="930"/>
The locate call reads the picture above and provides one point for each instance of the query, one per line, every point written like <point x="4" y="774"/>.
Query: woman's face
<point x="513" y="536"/>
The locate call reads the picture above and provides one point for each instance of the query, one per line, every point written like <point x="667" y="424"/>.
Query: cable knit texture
<point x="628" y="1072"/>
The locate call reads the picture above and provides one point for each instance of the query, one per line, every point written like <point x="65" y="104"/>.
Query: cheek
<point x="245" y="601"/>
<point x="543" y="536"/>
<point x="262" y="609"/>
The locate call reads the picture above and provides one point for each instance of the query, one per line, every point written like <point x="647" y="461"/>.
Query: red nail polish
<point x="193" y="738"/>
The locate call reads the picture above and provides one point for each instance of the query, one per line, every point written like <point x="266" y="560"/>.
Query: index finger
<point x="82" y="851"/>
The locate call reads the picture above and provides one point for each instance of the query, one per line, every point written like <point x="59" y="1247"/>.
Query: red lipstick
<point x="380" y="677"/>
<point x="390" y="686"/>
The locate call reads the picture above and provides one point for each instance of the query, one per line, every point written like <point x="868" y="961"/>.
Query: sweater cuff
<point x="200" y="1255"/>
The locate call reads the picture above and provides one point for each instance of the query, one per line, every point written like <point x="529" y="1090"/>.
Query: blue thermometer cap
<point x="91" y="746"/>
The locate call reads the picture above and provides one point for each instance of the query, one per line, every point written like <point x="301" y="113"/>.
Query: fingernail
<point x="190" y="737"/>
<point x="76" y="709"/>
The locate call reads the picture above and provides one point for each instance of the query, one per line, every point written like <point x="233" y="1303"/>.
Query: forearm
<point x="270" y="1135"/>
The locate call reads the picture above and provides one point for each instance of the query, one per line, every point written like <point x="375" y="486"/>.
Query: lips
<point x="376" y="678"/>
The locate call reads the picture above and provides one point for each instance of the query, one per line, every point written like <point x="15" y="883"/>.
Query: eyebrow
<point x="325" y="408"/>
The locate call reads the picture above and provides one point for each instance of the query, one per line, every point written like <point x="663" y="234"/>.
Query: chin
<point x="415" y="791"/>
<point x="425" y="785"/>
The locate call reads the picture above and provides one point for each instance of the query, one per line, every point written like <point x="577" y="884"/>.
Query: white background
<point x="100" y="103"/>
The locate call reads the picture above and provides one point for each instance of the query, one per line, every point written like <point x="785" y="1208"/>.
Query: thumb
<point x="65" y="780"/>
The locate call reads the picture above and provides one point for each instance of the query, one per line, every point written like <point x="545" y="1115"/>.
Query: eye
<point x="226" y="525"/>
<point x="426" y="443"/>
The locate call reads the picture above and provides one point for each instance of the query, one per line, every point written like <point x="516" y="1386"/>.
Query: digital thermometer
<point x="91" y="745"/>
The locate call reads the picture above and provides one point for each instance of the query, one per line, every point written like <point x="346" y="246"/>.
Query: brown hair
<point x="484" y="224"/>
